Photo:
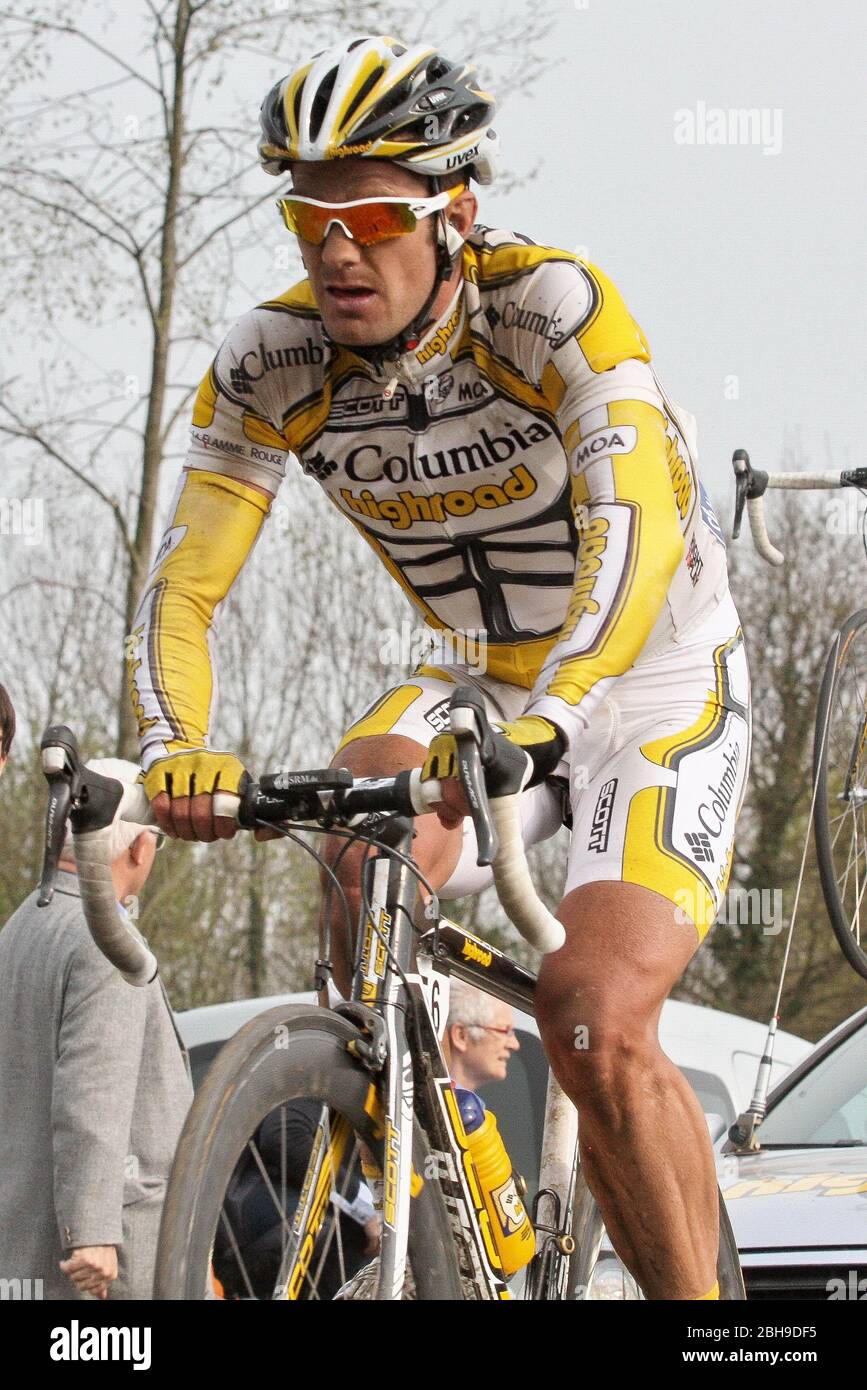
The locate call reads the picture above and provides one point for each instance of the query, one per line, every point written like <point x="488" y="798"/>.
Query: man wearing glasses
<point x="481" y="1037"/>
<point x="483" y="409"/>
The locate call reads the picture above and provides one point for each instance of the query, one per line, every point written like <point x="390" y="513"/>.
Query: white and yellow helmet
<point x="377" y="98"/>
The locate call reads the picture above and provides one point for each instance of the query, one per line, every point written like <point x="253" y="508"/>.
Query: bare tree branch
<point x="34" y="435"/>
<point x="72" y="31"/>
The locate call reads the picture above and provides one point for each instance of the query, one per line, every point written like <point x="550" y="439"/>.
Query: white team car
<point x="799" y="1205"/>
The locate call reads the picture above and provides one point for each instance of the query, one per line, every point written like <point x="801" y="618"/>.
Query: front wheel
<point x="276" y="1129"/>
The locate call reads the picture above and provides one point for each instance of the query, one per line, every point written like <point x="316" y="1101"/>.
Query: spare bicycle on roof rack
<point x="840" y="739"/>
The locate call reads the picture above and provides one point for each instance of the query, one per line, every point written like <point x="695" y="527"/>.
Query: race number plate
<point x="435" y="983"/>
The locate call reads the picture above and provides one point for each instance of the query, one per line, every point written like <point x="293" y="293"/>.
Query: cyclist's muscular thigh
<point x="435" y="849"/>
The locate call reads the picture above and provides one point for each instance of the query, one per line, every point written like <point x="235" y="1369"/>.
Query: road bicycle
<point x="366" y="1081"/>
<point x="840" y="738"/>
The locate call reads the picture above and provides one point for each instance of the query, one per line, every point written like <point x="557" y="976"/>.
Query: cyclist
<point x="484" y="411"/>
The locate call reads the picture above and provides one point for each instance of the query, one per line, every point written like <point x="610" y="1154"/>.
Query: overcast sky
<point x="737" y="263"/>
<point x="743" y="262"/>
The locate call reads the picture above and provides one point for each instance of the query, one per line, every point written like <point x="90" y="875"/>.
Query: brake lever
<point x="488" y="765"/>
<point x="475" y="744"/>
<point x="61" y="764"/>
<point x="75" y="793"/>
<point x="742" y="482"/>
<point x="749" y="483"/>
<point x="493" y="764"/>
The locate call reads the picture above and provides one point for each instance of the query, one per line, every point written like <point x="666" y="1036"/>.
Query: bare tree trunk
<point x="153" y="429"/>
<point x="255" y="926"/>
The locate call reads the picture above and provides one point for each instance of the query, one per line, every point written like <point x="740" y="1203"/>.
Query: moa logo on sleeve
<point x="601" y="443"/>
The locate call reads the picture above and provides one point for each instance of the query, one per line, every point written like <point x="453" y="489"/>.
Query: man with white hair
<point x="481" y="1036"/>
<point x="94" y="1090"/>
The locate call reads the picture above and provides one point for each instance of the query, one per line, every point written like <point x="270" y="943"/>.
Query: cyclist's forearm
<point x="214" y="524"/>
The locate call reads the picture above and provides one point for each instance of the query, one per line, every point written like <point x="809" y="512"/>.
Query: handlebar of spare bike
<point x="491" y="770"/>
<point x="751" y="484"/>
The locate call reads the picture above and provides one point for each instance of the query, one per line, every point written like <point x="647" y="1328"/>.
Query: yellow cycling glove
<point x="194" y="771"/>
<point x="541" y="740"/>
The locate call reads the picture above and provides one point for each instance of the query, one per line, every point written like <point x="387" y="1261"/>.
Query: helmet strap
<point x="409" y="337"/>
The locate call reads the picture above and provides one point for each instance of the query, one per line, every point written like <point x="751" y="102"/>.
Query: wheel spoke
<point x="841" y="829"/>
<point x="856" y="919"/>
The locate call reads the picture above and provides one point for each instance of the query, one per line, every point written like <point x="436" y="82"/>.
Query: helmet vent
<point x="414" y="130"/>
<point x="365" y="91"/>
<point x="470" y="119"/>
<point x="320" y="104"/>
<point x="437" y="68"/>
<point x="424" y="112"/>
<point x="390" y="102"/>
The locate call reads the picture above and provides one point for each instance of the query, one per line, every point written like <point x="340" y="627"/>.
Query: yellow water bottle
<point x="511" y="1229"/>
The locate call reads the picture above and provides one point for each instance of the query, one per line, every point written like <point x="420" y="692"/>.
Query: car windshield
<point x="829" y="1105"/>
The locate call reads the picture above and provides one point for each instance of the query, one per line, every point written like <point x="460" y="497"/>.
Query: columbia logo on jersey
<point x="549" y="328"/>
<point x="318" y="466"/>
<point x="367" y="465"/>
<point x="261" y="359"/>
<point x="701" y="847"/>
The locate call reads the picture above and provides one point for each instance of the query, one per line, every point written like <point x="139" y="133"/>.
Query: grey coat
<point x="94" y="1090"/>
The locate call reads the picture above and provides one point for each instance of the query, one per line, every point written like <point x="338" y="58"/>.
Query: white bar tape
<point x="423" y="795"/>
<point x="804" y="480"/>
<point x="762" y="540"/>
<point x="114" y="936"/>
<point x="134" y="805"/>
<point x="520" y="901"/>
<point x="226" y="804"/>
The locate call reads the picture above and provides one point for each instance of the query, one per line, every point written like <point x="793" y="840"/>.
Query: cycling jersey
<point x="521" y="474"/>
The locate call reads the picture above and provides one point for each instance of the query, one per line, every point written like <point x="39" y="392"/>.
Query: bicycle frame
<point x="400" y="1000"/>
<point x="394" y="996"/>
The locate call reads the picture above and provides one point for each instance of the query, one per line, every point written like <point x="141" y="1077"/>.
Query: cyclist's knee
<point x="380" y="755"/>
<point x="601" y="1040"/>
<point x="435" y="849"/>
